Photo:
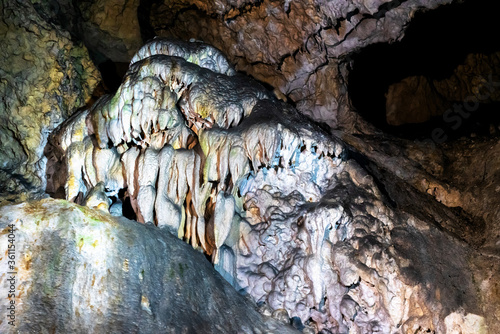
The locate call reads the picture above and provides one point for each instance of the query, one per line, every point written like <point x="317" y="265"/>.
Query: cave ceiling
<point x="249" y="166"/>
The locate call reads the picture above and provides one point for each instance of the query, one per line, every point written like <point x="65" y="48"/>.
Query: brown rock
<point x="298" y="47"/>
<point x="111" y="28"/>
<point x="413" y="100"/>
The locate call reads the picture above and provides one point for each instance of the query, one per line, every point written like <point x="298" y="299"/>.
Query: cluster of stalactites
<point x="162" y="93"/>
<point x="184" y="143"/>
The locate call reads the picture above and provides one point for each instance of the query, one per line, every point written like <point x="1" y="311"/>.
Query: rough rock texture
<point x="304" y="50"/>
<point x="82" y="271"/>
<point x="352" y="264"/>
<point x="109" y="29"/>
<point x="288" y="218"/>
<point x="300" y="48"/>
<point x="381" y="234"/>
<point x="44" y="78"/>
<point x="176" y="134"/>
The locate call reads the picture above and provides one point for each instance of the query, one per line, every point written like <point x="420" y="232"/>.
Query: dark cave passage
<point x="112" y="73"/>
<point x="432" y="49"/>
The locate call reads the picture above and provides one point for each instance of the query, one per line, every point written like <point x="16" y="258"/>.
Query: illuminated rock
<point x="82" y="270"/>
<point x="45" y="76"/>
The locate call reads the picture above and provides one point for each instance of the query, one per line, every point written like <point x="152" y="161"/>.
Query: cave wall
<point x="45" y="77"/>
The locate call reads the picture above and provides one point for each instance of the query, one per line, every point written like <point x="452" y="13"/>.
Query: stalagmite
<point x="74" y="184"/>
<point x="97" y="198"/>
<point x="108" y="168"/>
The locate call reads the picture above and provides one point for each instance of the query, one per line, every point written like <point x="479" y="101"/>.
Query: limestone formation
<point x="184" y="133"/>
<point x="44" y="78"/>
<point x="301" y="48"/>
<point x="329" y="227"/>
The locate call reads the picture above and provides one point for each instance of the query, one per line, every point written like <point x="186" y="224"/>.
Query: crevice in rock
<point x="385" y="7"/>
<point x="143" y="15"/>
<point x="127" y="209"/>
<point x="365" y="163"/>
<point x="455" y="221"/>
<point x="112" y="73"/>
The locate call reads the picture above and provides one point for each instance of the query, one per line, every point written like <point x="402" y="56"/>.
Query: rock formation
<point x="323" y="221"/>
<point x="81" y="271"/>
<point x="301" y="48"/>
<point x="45" y="76"/>
<point x="213" y="158"/>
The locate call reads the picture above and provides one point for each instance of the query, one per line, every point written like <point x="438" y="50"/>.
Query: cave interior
<point x="250" y="166"/>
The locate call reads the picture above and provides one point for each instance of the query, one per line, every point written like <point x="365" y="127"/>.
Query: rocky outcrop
<point x="45" y="77"/>
<point x="78" y="270"/>
<point x="340" y="229"/>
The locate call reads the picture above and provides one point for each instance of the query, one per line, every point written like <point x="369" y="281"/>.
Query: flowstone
<point x="193" y="147"/>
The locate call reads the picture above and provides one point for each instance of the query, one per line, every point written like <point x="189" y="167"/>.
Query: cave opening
<point x="411" y="88"/>
<point x="112" y="72"/>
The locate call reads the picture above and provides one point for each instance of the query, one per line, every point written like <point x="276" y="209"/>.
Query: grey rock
<point x="80" y="270"/>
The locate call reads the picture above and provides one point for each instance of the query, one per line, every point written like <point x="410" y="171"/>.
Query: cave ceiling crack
<point x="386" y="7"/>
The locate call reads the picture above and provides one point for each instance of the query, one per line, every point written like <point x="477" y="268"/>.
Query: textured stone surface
<point x="301" y="48"/>
<point x="44" y="78"/>
<point x="111" y="28"/>
<point x="287" y="217"/>
<point x="352" y="264"/>
<point x="83" y="271"/>
<point x="108" y="28"/>
<point x="381" y="234"/>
